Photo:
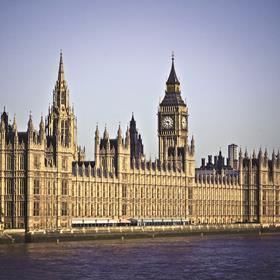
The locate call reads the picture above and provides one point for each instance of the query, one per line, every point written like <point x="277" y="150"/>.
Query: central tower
<point x="61" y="122"/>
<point x="172" y="121"/>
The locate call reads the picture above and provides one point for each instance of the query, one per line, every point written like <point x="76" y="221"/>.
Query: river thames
<point x="216" y="257"/>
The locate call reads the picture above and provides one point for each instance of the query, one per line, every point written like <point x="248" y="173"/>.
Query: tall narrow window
<point x="21" y="162"/>
<point x="21" y="186"/>
<point x="124" y="191"/>
<point x="9" y="162"/>
<point x="21" y="207"/>
<point x="36" y="208"/>
<point x="36" y="187"/>
<point x="9" y="208"/>
<point x="36" y="162"/>
<point x="190" y="194"/>
<point x="9" y="186"/>
<point x="63" y="208"/>
<point x="64" y="187"/>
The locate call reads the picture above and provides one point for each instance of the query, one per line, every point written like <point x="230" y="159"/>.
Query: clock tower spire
<point x="172" y="121"/>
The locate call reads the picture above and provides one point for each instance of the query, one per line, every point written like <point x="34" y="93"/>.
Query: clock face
<point x="167" y="122"/>
<point x="184" y="122"/>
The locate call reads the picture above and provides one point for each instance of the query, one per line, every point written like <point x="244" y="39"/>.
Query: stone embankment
<point x="98" y="233"/>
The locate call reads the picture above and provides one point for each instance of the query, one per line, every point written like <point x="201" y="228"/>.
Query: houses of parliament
<point x="47" y="184"/>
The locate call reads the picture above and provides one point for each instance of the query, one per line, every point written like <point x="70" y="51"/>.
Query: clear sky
<point x="117" y="57"/>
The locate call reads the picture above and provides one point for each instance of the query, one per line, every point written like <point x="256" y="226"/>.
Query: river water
<point x="218" y="257"/>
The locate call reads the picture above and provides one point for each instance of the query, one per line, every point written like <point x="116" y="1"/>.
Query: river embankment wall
<point x="107" y="233"/>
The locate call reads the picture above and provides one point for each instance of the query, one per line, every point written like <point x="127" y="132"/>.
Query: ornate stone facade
<point x="45" y="182"/>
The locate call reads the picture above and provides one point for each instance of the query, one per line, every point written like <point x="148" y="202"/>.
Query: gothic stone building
<point x="45" y="182"/>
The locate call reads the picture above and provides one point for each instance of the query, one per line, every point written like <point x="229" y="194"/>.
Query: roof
<point x="173" y="99"/>
<point x="172" y="79"/>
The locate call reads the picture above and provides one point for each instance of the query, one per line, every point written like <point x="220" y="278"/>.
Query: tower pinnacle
<point x="172" y="79"/>
<point x="61" y="68"/>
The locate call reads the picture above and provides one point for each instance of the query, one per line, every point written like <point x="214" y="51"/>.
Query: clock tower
<point x="172" y="122"/>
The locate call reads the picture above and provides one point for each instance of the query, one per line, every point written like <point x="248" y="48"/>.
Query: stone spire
<point x="42" y="129"/>
<point x="42" y="125"/>
<point x="2" y="126"/>
<point x="61" y="69"/>
<point x="260" y="153"/>
<point x="97" y="132"/>
<point x="30" y="123"/>
<point x="240" y="154"/>
<point x="192" y="145"/>
<point x="127" y="138"/>
<point x="119" y="132"/>
<point x="106" y="134"/>
<point x="132" y="122"/>
<point x="265" y="153"/>
<point x="119" y="137"/>
<point x="14" y="126"/>
<point x="273" y="156"/>
<point x="254" y="154"/>
<point x="96" y="147"/>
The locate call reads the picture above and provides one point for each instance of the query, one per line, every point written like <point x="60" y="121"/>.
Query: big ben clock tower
<point x="173" y="121"/>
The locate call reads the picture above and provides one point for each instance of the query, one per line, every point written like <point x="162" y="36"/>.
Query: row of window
<point x="126" y="191"/>
<point x="10" y="186"/>
<point x="10" y="209"/>
<point x="10" y="162"/>
<point x="36" y="161"/>
<point x="50" y="191"/>
<point x="102" y="209"/>
<point x="36" y="209"/>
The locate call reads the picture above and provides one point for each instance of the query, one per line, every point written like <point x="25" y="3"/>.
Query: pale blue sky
<point x="117" y="57"/>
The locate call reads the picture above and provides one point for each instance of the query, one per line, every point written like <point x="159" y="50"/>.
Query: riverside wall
<point x="123" y="233"/>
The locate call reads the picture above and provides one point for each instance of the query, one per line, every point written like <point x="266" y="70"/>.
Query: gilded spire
<point x="61" y="68"/>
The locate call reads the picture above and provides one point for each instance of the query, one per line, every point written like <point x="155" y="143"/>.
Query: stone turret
<point x="127" y="139"/>
<point x="30" y="127"/>
<point x="240" y="167"/>
<point x="119" y="137"/>
<point x="260" y="156"/>
<point x="14" y="125"/>
<point x="192" y="146"/>
<point x="96" y="148"/>
<point x="2" y="127"/>
<point x="42" y="130"/>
